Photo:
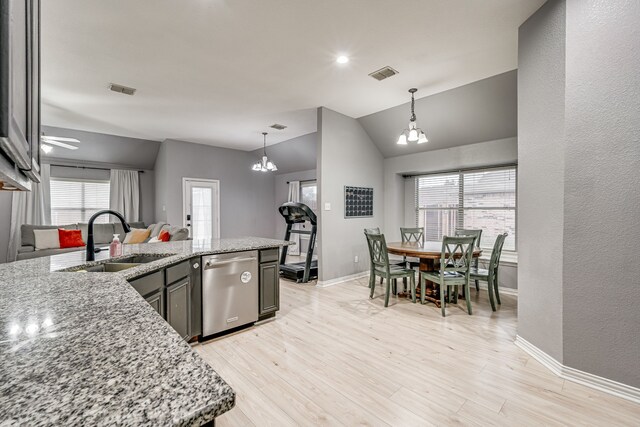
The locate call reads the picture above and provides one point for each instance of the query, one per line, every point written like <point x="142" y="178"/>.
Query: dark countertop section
<point x="87" y="349"/>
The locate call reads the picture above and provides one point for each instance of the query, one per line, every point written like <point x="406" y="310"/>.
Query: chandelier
<point x="414" y="133"/>
<point x="264" y="164"/>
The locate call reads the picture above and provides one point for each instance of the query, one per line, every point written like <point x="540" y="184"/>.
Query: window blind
<point x="472" y="199"/>
<point x="75" y="201"/>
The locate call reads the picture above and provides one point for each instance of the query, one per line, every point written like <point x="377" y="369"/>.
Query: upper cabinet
<point x="19" y="93"/>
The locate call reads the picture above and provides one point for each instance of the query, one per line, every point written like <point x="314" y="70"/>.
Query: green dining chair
<point x="455" y="268"/>
<point x="490" y="275"/>
<point x="376" y="230"/>
<point x="380" y="266"/>
<point x="477" y="234"/>
<point x="413" y="235"/>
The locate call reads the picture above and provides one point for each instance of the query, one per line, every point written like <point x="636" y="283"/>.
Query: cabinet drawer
<point x="177" y="272"/>
<point x="269" y="255"/>
<point x="148" y="284"/>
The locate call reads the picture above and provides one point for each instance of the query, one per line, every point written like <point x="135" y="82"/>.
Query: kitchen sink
<point x="119" y="264"/>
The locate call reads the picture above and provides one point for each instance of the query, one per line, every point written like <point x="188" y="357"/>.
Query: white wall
<point x="347" y="156"/>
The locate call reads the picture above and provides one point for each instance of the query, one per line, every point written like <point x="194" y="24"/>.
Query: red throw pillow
<point x="164" y="236"/>
<point x="70" y="238"/>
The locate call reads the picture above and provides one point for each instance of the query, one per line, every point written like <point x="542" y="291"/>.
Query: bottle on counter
<point x="115" y="248"/>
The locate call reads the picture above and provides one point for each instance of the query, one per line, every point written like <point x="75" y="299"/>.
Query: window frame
<point x="461" y="209"/>
<point x="83" y="209"/>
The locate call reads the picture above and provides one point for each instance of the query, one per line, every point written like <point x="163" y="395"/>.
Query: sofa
<point x="102" y="234"/>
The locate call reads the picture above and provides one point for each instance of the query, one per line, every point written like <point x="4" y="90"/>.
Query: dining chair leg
<point x="490" y="291"/>
<point x="381" y="279"/>
<point x="468" y="298"/>
<point x="394" y="286"/>
<point x="372" y="285"/>
<point x="495" y="288"/>
<point x="442" y="292"/>
<point x="477" y="286"/>
<point x="413" y="288"/>
<point x="422" y="292"/>
<point x="386" y="297"/>
<point x="372" y="278"/>
<point x="453" y="295"/>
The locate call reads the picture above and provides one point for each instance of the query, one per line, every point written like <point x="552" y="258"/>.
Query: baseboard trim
<point x="337" y="280"/>
<point x="577" y="376"/>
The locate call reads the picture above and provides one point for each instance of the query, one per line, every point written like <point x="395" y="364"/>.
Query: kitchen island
<point x="86" y="348"/>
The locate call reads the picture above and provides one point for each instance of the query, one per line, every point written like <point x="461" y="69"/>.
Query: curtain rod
<point x="85" y="167"/>
<point x="304" y="180"/>
<point x="477" y="168"/>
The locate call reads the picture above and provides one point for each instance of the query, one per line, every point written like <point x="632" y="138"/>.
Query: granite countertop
<point x="86" y="348"/>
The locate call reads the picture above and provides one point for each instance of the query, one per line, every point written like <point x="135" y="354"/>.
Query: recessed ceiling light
<point x="342" y="59"/>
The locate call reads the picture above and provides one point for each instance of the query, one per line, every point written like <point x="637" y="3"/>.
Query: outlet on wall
<point x="355" y="259"/>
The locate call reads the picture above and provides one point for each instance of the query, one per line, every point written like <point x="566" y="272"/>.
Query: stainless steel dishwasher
<point x="229" y="291"/>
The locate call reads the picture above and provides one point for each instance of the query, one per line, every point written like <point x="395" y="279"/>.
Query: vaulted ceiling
<point x="220" y="72"/>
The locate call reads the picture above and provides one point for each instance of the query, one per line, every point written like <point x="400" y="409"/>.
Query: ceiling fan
<point x="59" y="141"/>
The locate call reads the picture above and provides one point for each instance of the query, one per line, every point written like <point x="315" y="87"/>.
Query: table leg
<point x="431" y="290"/>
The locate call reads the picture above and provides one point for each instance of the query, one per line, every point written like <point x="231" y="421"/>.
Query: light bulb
<point x="402" y="140"/>
<point x="46" y="148"/>
<point x="413" y="135"/>
<point x="423" y="138"/>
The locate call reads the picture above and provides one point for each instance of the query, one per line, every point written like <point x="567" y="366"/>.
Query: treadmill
<point x="299" y="213"/>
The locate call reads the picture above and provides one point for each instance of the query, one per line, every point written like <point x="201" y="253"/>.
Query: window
<point x="75" y="201"/>
<point x="479" y="199"/>
<point x="309" y="194"/>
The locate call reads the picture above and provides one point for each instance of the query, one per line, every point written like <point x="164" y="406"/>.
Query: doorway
<point x="201" y="208"/>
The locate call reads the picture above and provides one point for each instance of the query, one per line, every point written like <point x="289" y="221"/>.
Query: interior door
<point x="202" y="208"/>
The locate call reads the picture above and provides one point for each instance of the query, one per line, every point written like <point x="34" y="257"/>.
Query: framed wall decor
<point x="358" y="202"/>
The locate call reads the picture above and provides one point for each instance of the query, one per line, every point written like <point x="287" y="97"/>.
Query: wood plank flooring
<point x="334" y="357"/>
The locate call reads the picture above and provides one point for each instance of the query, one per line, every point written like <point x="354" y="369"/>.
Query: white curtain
<point x="294" y="196"/>
<point x="30" y="207"/>
<point x="125" y="194"/>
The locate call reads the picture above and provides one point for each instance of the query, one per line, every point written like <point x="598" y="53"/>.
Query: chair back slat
<point x="457" y="254"/>
<point x="468" y="232"/>
<point x="494" y="261"/>
<point x="412" y="235"/>
<point x="378" y="254"/>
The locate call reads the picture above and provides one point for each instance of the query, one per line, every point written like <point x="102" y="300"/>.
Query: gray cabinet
<point x="269" y="288"/>
<point x="175" y="293"/>
<point x="179" y="307"/>
<point x="156" y="301"/>
<point x="20" y="92"/>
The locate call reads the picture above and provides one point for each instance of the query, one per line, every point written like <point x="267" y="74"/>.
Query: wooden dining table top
<point x="428" y="249"/>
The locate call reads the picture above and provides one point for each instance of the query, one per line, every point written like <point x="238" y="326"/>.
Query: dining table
<point x="428" y="252"/>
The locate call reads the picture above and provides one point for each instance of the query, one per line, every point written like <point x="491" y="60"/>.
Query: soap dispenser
<point x="115" y="248"/>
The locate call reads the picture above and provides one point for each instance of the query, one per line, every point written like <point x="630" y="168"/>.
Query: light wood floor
<point x="335" y="357"/>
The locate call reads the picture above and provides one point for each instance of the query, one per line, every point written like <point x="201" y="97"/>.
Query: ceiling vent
<point x="383" y="73"/>
<point x="122" y="89"/>
<point x="276" y="126"/>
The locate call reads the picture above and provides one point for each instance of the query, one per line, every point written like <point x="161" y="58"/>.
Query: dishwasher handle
<point x="213" y="264"/>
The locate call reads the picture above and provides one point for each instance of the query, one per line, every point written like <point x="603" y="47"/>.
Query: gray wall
<point x="480" y="111"/>
<point x="99" y="147"/>
<point x="541" y="78"/>
<point x="246" y="197"/>
<point x="347" y="156"/>
<point x="602" y="190"/>
<point x="585" y="117"/>
<point x="294" y="155"/>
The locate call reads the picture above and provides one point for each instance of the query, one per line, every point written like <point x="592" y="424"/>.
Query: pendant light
<point x="414" y="133"/>
<point x="264" y="164"/>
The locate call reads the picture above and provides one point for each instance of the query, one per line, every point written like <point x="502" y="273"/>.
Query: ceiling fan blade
<point x="60" y="138"/>
<point x="62" y="144"/>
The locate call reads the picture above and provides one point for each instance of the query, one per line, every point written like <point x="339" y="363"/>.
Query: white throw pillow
<point x="47" y="239"/>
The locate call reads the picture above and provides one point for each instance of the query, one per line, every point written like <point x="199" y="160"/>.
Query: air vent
<point x="121" y="89"/>
<point x="383" y="73"/>
<point x="276" y="126"/>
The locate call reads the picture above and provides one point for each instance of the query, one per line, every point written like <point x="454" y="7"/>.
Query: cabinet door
<point x="179" y="307"/>
<point x="269" y="288"/>
<point x="157" y="302"/>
